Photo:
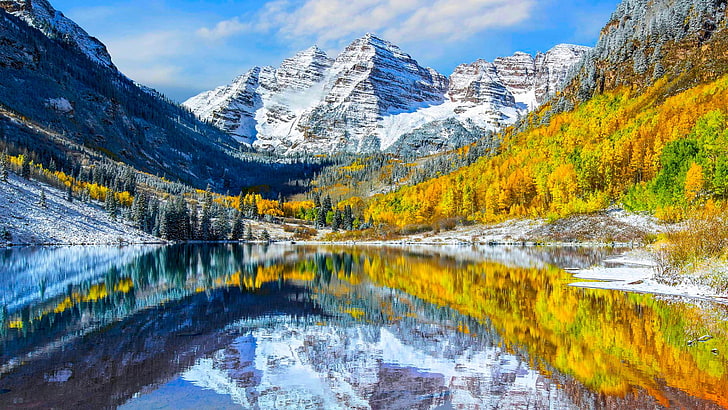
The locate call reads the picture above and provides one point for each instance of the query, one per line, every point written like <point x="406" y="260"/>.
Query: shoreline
<point x="634" y="272"/>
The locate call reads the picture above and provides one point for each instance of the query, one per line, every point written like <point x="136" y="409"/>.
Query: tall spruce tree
<point x="25" y="167"/>
<point x="4" y="167"/>
<point x="348" y="218"/>
<point x="140" y="212"/>
<point x="206" y="222"/>
<point x="111" y="205"/>
<point x="237" y="232"/>
<point x="221" y="226"/>
<point x="42" y="200"/>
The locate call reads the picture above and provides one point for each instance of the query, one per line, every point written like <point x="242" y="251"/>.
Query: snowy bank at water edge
<point x="635" y="272"/>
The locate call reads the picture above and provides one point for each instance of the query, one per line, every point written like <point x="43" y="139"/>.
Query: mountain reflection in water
<point x="349" y="327"/>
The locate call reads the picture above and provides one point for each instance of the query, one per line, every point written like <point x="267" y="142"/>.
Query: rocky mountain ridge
<point x="646" y="40"/>
<point x="375" y="97"/>
<point x="55" y="97"/>
<point x="41" y="15"/>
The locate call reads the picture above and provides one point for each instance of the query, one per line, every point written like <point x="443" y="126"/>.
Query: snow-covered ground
<point x="60" y="222"/>
<point x="614" y="226"/>
<point x="635" y="272"/>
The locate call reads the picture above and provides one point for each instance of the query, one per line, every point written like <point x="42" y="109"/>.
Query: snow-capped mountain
<point x="374" y="96"/>
<point x="41" y="15"/>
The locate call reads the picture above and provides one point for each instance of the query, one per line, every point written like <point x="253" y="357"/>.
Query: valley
<point x="543" y="229"/>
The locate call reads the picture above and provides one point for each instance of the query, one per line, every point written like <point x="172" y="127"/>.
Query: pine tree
<point x="42" y="201"/>
<point x="237" y="232"/>
<point x="266" y="235"/>
<point x="69" y="193"/>
<point x="249" y="234"/>
<point x="254" y="207"/>
<point x="25" y="168"/>
<point x="139" y="212"/>
<point x="4" y="167"/>
<point x="162" y="227"/>
<point x="336" y="222"/>
<point x="348" y="218"/>
<point x="221" y="227"/>
<point x="153" y="217"/>
<point x="194" y="222"/>
<point x="205" y="233"/>
<point x="112" y="206"/>
<point x="327" y="204"/>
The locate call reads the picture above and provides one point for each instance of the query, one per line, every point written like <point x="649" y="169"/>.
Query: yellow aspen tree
<point x="694" y="182"/>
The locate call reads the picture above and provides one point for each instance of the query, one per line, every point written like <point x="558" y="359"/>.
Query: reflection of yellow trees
<point x="607" y="340"/>
<point x="264" y="275"/>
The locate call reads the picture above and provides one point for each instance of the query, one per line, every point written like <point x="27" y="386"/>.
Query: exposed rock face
<point x="371" y="79"/>
<point x="374" y="97"/>
<point x="645" y="40"/>
<point x="41" y="15"/>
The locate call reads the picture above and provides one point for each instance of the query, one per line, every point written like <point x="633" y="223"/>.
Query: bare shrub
<point x="697" y="240"/>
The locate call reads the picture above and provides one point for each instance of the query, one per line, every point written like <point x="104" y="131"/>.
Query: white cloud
<point x="224" y="29"/>
<point x="330" y="21"/>
<point x="159" y="75"/>
<point x="150" y="46"/>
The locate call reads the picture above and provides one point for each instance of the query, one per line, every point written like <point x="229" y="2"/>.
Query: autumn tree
<point x="694" y="182"/>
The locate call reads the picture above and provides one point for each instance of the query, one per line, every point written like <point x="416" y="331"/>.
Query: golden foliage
<point x="578" y="162"/>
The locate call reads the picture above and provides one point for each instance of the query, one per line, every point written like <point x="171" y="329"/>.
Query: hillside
<point x="55" y="221"/>
<point x="95" y="107"/>
<point x="648" y="40"/>
<point x="656" y="145"/>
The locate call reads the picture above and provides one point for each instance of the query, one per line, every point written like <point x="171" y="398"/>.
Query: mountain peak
<point x="374" y="41"/>
<point x="314" y="50"/>
<point x="372" y="97"/>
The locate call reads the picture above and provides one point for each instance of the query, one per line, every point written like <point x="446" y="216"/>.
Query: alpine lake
<point x="295" y="326"/>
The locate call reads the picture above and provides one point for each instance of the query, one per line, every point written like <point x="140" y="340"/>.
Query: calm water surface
<point x="228" y="326"/>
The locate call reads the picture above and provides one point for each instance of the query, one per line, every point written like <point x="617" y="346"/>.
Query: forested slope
<point x="646" y="133"/>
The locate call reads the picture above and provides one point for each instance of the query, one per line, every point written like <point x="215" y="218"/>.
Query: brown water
<point x="196" y="326"/>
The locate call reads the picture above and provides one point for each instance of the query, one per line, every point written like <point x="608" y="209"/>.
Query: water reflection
<point x="343" y="327"/>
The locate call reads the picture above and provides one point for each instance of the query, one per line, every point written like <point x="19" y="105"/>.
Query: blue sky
<point x="182" y="47"/>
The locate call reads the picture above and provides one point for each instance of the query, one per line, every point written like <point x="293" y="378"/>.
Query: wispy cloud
<point x="152" y="46"/>
<point x="224" y="29"/>
<point x="329" y="21"/>
<point x="185" y="46"/>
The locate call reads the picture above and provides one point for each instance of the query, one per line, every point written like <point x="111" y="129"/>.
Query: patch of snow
<point x="60" y="104"/>
<point x="60" y="222"/>
<point x="634" y="272"/>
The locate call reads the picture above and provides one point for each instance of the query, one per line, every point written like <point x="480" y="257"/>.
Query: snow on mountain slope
<point x="374" y="97"/>
<point x="41" y="15"/>
<point x="60" y="222"/>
